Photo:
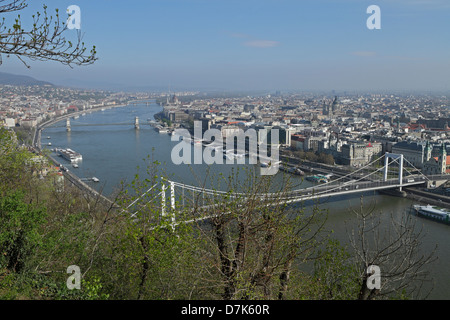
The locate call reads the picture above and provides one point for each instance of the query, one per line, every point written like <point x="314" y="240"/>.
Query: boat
<point x="433" y="213"/>
<point x="292" y="170"/>
<point x="74" y="165"/>
<point x="161" y="129"/>
<point x="69" y="154"/>
<point x="317" y="178"/>
<point x="95" y="179"/>
<point x="49" y="143"/>
<point x="270" y="164"/>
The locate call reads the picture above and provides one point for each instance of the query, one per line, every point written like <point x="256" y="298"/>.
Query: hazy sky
<point x="257" y="44"/>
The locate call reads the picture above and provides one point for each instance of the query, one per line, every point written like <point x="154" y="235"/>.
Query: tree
<point x="144" y="256"/>
<point x="394" y="247"/>
<point x="254" y="243"/>
<point x="45" y="40"/>
<point x="19" y="231"/>
<point x="335" y="273"/>
<point x="13" y="159"/>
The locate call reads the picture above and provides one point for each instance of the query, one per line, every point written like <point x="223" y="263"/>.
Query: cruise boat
<point x="69" y="154"/>
<point x="433" y="213"/>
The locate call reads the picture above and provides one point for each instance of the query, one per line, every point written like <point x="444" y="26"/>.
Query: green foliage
<point x="250" y="251"/>
<point x="13" y="159"/>
<point x="336" y="275"/>
<point x="315" y="157"/>
<point x="19" y="231"/>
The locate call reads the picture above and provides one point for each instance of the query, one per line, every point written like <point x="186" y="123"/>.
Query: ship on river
<point x="69" y="154"/>
<point x="433" y="213"/>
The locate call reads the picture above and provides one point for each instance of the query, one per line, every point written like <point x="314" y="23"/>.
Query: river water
<point x="114" y="152"/>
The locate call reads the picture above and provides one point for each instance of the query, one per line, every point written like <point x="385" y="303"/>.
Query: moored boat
<point x="69" y="154"/>
<point x="433" y="213"/>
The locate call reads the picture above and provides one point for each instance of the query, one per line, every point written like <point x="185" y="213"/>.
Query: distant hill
<point x="19" y="80"/>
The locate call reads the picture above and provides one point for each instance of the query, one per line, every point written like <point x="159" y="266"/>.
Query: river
<point x="113" y="153"/>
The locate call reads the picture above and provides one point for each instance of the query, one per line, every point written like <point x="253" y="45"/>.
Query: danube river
<point x="113" y="153"/>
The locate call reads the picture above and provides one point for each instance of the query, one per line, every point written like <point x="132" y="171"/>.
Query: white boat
<point x="433" y="213"/>
<point x="69" y="154"/>
<point x="75" y="165"/>
<point x="161" y="129"/>
<point x="95" y="179"/>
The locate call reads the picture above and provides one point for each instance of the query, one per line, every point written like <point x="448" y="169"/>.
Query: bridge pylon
<point x="136" y="122"/>
<point x="394" y="156"/>
<point x="68" y="128"/>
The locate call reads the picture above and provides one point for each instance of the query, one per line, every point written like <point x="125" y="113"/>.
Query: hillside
<point x="20" y="80"/>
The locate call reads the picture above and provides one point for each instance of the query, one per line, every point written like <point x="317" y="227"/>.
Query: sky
<point x="297" y="45"/>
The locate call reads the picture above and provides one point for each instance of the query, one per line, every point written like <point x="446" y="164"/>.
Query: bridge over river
<point x="393" y="175"/>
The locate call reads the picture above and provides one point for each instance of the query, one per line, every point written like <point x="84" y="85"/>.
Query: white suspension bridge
<point x="396" y="173"/>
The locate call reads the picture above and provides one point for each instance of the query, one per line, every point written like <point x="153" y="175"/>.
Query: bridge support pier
<point x="136" y="123"/>
<point x="68" y="128"/>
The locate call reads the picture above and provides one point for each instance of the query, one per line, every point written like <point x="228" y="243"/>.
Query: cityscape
<point x="245" y="151"/>
<point x="351" y="128"/>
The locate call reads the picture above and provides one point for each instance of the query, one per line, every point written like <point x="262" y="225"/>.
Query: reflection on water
<point x="113" y="153"/>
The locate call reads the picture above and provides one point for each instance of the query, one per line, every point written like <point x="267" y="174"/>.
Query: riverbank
<point x="428" y="197"/>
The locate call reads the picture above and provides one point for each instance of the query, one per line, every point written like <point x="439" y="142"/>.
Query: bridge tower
<point x="388" y="156"/>
<point x="136" y="122"/>
<point x="68" y="128"/>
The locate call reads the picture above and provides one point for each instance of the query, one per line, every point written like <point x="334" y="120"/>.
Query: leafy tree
<point x="19" y="231"/>
<point x="13" y="160"/>
<point x="335" y="273"/>
<point x="145" y="255"/>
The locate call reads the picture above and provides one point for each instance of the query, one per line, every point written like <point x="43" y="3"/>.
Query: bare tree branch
<point x="44" y="41"/>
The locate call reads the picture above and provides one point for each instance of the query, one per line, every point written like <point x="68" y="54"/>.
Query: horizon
<point x="264" y="45"/>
